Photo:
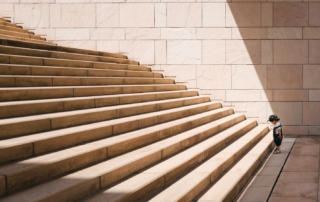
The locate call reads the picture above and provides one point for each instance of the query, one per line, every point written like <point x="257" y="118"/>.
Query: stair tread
<point x="145" y="178"/>
<point x="44" y="142"/>
<point x="203" y="172"/>
<point x="85" y="98"/>
<point x="236" y="173"/>
<point x="45" y="61"/>
<point x="126" y="159"/>
<point x="85" y="111"/>
<point x="14" y="29"/>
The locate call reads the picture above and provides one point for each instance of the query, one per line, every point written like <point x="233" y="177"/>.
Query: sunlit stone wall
<point x="261" y="56"/>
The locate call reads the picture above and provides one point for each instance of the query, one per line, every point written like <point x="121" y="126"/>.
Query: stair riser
<point x="22" y="60"/>
<point x="60" y="71"/>
<point x="28" y="127"/>
<point x="227" y="164"/>
<point x="8" y="24"/>
<point x="74" y="138"/>
<point x="59" y="48"/>
<point x="70" y="81"/>
<point x="59" y="55"/>
<point x="20" y="180"/>
<point x="16" y="110"/>
<point x="35" y="94"/>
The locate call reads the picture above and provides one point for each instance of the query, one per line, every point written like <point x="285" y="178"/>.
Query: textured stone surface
<point x="160" y="14"/>
<point x="77" y="15"/>
<point x="284" y="33"/>
<point x="137" y="15"/>
<point x="249" y="33"/>
<point x="73" y="34"/>
<point x="38" y="14"/>
<point x="160" y="50"/>
<point x="253" y="110"/>
<point x="108" y="15"/>
<point x="290" y="14"/>
<point x="284" y="77"/>
<point x="142" y="33"/>
<point x="314" y="95"/>
<point x="249" y="76"/>
<point x="243" y="52"/>
<point x="213" y="33"/>
<point x="311" y="32"/>
<point x="311" y="76"/>
<point x="183" y="73"/>
<point x="314" y="53"/>
<point x="213" y="52"/>
<point x="107" y="33"/>
<point x="214" y="15"/>
<point x="290" y="95"/>
<point x="311" y="112"/>
<point x="243" y="95"/>
<point x="266" y="52"/>
<point x="290" y="52"/>
<point x="140" y="50"/>
<point x="214" y="76"/>
<point x="184" y="15"/>
<point x="183" y="52"/>
<point x="243" y="15"/>
<point x="111" y="46"/>
<point x="290" y="113"/>
<point x="178" y="33"/>
<point x="314" y="14"/>
<point x="267" y="14"/>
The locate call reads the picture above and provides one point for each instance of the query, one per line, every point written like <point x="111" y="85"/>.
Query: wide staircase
<point x="95" y="126"/>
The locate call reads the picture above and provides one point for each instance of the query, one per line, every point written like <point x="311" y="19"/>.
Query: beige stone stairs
<point x="95" y="126"/>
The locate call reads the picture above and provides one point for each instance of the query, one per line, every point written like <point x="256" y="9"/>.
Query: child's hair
<point x="273" y="118"/>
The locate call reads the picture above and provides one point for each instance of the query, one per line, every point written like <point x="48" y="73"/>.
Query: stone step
<point x="62" y="55"/>
<point x="109" y="171"/>
<point x="15" y="29"/>
<point x="23" y="44"/>
<point x="40" y="143"/>
<point x="25" y="39"/>
<point x="148" y="181"/>
<point x="196" y="181"/>
<point x="36" y="93"/>
<point x="21" y="35"/>
<point x="5" y="20"/>
<point x="41" y="81"/>
<point x="8" y="69"/>
<point x="9" y="24"/>
<point x="28" y="60"/>
<point x="227" y="188"/>
<point x="13" y="127"/>
<point x="27" y="108"/>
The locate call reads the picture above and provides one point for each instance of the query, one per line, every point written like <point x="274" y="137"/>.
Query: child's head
<point x="273" y="119"/>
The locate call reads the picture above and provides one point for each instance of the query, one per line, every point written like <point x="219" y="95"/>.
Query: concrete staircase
<point x="94" y="126"/>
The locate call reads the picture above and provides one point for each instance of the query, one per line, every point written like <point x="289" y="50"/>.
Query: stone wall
<point x="261" y="56"/>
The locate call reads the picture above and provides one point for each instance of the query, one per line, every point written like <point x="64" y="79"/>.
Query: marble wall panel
<point x="290" y="52"/>
<point x="290" y="95"/>
<point x="249" y="76"/>
<point x="290" y="14"/>
<point x="160" y="52"/>
<point x="284" y="33"/>
<point x="108" y="15"/>
<point x="290" y="113"/>
<point x="311" y="76"/>
<point x="214" y="77"/>
<point x="91" y="45"/>
<point x="108" y="46"/>
<point x="141" y="50"/>
<point x="183" y="73"/>
<point x="6" y="10"/>
<point x="183" y="52"/>
<point x="137" y="15"/>
<point x="142" y="33"/>
<point x="213" y="33"/>
<point x="314" y="95"/>
<point x="243" y="15"/>
<point x="38" y="15"/>
<point x="160" y="14"/>
<point x="314" y="52"/>
<point x="107" y="33"/>
<point x="78" y="15"/>
<point x="243" y="95"/>
<point x="266" y="52"/>
<point x="267" y="14"/>
<point x="184" y="14"/>
<point x="72" y="34"/>
<point x="311" y="32"/>
<point x="284" y="77"/>
<point x="249" y="33"/>
<point x="253" y="109"/>
<point x="178" y="33"/>
<point x="214" y="15"/>
<point x="243" y="52"/>
<point x="314" y="14"/>
<point x="311" y="111"/>
<point x="213" y="52"/>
